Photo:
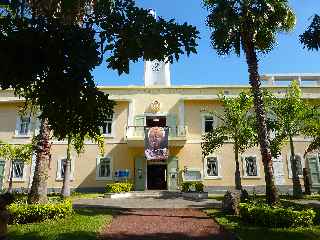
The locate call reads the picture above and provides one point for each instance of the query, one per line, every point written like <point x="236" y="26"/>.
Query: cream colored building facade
<point x="185" y="110"/>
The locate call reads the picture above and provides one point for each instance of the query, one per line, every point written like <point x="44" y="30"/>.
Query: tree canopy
<point x="232" y="20"/>
<point x="48" y="60"/>
<point x="311" y="37"/>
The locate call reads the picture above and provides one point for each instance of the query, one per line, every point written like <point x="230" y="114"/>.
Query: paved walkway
<point x="147" y="202"/>
<point x="164" y="224"/>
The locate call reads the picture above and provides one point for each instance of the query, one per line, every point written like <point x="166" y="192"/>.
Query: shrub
<point x="264" y="215"/>
<point x="199" y="186"/>
<point x="28" y="213"/>
<point x="187" y="186"/>
<point x="119" y="187"/>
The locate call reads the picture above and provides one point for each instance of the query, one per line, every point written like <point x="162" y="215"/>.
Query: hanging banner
<point x="156" y="143"/>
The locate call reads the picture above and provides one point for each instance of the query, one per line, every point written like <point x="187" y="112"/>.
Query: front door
<point x="157" y="179"/>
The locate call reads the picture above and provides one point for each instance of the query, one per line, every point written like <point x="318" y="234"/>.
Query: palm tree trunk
<point x="38" y="192"/>
<point x="255" y="82"/>
<point x="297" y="189"/>
<point x="65" y="191"/>
<point x="10" y="189"/>
<point x="237" y="176"/>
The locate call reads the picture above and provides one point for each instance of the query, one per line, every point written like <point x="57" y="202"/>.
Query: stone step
<point x="146" y="194"/>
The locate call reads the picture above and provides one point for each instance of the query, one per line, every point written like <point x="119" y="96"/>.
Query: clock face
<point x="156" y="66"/>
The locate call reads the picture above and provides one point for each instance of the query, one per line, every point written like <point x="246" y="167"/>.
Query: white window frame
<point x="98" y="159"/>
<point x="193" y="169"/>
<point x="58" y="173"/>
<point x="205" y="167"/>
<point x="203" y="121"/>
<point x="245" y="175"/>
<point x="18" y="127"/>
<point x="303" y="164"/>
<point x="112" y="134"/>
<point x="23" y="179"/>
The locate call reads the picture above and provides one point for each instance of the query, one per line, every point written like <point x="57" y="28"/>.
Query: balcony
<point x="135" y="135"/>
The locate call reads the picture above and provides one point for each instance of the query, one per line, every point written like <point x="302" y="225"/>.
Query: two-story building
<point x="185" y="110"/>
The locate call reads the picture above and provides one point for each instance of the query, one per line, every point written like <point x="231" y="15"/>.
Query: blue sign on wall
<point x="122" y="173"/>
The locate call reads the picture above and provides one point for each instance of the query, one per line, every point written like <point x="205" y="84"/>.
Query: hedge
<point x="28" y="213"/>
<point x="266" y="216"/>
<point x="119" y="187"/>
<point x="186" y="186"/>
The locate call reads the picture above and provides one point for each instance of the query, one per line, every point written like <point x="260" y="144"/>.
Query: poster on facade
<point x="156" y="143"/>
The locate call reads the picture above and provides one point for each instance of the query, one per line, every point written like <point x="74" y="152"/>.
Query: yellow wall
<point x="196" y="103"/>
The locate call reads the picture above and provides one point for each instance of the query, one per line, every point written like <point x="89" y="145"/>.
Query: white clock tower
<point x="156" y="73"/>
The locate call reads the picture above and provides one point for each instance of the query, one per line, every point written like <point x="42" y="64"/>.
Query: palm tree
<point x="251" y="26"/>
<point x="38" y="192"/>
<point x="236" y="124"/>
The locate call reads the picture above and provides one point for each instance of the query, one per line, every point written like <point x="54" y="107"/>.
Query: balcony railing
<point x="139" y="132"/>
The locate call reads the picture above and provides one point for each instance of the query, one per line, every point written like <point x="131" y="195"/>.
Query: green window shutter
<point x="139" y="125"/>
<point x="172" y="124"/>
<point x="172" y="173"/>
<point x="2" y="165"/>
<point x="314" y="170"/>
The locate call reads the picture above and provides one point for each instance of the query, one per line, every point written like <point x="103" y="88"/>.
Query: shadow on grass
<point x="79" y="235"/>
<point x="94" y="211"/>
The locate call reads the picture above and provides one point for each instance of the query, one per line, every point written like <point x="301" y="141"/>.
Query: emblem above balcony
<point x="155" y="106"/>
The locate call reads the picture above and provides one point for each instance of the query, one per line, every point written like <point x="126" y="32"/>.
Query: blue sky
<point x="207" y="67"/>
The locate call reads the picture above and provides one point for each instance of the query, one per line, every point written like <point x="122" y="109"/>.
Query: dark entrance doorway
<point x="156" y="179"/>
<point x="156" y="121"/>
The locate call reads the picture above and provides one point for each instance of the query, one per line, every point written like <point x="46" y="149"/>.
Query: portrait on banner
<point x="156" y="143"/>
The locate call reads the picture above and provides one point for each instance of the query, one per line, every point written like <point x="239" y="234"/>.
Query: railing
<point x="139" y="131"/>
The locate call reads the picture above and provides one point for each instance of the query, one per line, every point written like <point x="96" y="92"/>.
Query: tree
<point x="10" y="152"/>
<point x="311" y="37"/>
<point x="292" y="117"/>
<point x="77" y="142"/>
<point x="51" y="47"/>
<point x="311" y="40"/>
<point x="312" y="129"/>
<point x="237" y="124"/>
<point x="251" y="26"/>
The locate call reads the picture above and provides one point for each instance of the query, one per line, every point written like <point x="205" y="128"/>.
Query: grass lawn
<point x="246" y="232"/>
<point x="76" y="195"/>
<point x="83" y="225"/>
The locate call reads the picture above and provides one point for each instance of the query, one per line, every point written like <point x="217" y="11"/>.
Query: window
<point x="250" y="166"/>
<point x="211" y="167"/>
<point x="106" y="129"/>
<point x="207" y="123"/>
<point x="18" y="169"/>
<point x="300" y="165"/>
<point x="60" y="169"/>
<point x="104" y="168"/>
<point x="23" y="126"/>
